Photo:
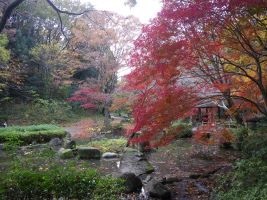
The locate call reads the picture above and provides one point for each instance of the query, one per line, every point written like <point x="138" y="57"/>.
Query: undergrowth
<point x="42" y="111"/>
<point x="248" y="180"/>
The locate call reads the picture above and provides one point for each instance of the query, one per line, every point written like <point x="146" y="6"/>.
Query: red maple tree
<point x="196" y="48"/>
<point x="89" y="98"/>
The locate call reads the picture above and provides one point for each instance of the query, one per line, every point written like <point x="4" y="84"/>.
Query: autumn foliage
<point x="89" y="98"/>
<point x="194" y="49"/>
<point x="210" y="134"/>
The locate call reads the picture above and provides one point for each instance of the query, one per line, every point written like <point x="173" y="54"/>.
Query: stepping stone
<point x="109" y="155"/>
<point x="88" y="153"/>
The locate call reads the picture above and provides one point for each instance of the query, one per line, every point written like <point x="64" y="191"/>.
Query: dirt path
<point x="82" y="129"/>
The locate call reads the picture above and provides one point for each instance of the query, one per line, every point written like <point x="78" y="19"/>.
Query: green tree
<point x="46" y="60"/>
<point x="4" y="58"/>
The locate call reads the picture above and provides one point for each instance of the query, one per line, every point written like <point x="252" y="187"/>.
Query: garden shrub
<point x="108" y="188"/>
<point x="255" y="146"/>
<point x="186" y="132"/>
<point x="185" y="129"/>
<point x="240" y="134"/>
<point x="18" y="135"/>
<point x="247" y="181"/>
<point x="58" y="182"/>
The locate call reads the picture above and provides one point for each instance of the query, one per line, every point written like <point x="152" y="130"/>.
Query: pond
<point x="184" y="159"/>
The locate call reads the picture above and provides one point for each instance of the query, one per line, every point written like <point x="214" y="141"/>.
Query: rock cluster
<point x="68" y="149"/>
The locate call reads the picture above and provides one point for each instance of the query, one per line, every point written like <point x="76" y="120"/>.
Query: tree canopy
<point x="194" y="50"/>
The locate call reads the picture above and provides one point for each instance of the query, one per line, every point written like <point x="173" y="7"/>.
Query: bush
<point x="255" y="146"/>
<point x="58" y="182"/>
<point x="240" y="134"/>
<point x="19" y="135"/>
<point x="249" y="177"/>
<point x="185" y="129"/>
<point x="247" y="181"/>
<point x="108" y="188"/>
<point x="186" y="132"/>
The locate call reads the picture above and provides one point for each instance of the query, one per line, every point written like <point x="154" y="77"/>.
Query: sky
<point x="144" y="10"/>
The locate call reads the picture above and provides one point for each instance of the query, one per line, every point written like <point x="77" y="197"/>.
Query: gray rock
<point x="1" y="147"/>
<point x="202" y="188"/>
<point x="170" y="180"/>
<point x="34" y="147"/>
<point x="134" y="161"/>
<point x="108" y="155"/>
<point x="69" y="144"/>
<point x="88" y="153"/>
<point x="33" y="142"/>
<point x="55" y="142"/>
<point x="68" y="135"/>
<point x="65" y="153"/>
<point x="158" y="190"/>
<point x="132" y="182"/>
<point x="147" y="179"/>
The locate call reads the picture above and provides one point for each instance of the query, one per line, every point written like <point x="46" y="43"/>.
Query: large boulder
<point x="65" y="153"/>
<point x="1" y="147"/>
<point x="109" y="155"/>
<point x="55" y="143"/>
<point x="158" y="190"/>
<point x="134" y="161"/>
<point x="132" y="183"/>
<point x="88" y="153"/>
<point x="69" y="144"/>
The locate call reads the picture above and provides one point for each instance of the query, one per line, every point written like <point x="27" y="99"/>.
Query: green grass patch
<point x="109" y="145"/>
<point x="19" y="135"/>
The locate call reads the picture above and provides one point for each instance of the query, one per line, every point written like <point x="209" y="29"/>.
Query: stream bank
<point x="186" y="168"/>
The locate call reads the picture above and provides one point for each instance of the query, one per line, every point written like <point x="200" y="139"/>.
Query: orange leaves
<point x="122" y="102"/>
<point x="210" y="134"/>
<point x="222" y="87"/>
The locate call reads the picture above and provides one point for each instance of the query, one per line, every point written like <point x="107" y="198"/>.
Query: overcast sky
<point x="144" y="10"/>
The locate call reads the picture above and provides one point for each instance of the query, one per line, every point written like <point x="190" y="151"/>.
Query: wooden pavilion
<point x="209" y="113"/>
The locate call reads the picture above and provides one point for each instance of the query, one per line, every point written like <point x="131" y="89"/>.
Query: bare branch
<point x="7" y="13"/>
<point x="65" y="11"/>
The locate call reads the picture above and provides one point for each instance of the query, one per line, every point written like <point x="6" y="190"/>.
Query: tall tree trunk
<point x="7" y="13"/>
